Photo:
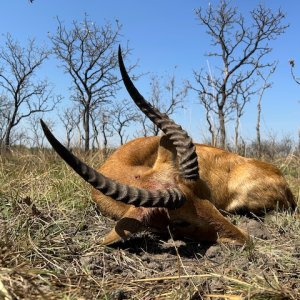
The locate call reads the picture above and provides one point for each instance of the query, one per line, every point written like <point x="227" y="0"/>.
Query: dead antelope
<point x="151" y="183"/>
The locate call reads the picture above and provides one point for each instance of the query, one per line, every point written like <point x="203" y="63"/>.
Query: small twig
<point x="194" y="276"/>
<point x="220" y="296"/>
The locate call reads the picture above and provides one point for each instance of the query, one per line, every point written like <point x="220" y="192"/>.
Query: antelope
<point x="168" y="183"/>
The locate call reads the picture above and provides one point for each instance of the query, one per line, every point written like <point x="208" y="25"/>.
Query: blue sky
<point x="164" y="34"/>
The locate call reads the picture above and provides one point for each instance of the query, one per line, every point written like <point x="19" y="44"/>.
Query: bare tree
<point x="122" y="115"/>
<point x="242" y="96"/>
<point x="207" y="99"/>
<point x="19" y="138"/>
<point x="101" y="121"/>
<point x="167" y="98"/>
<point x="88" y="54"/>
<point x="25" y="95"/>
<point x="105" y="129"/>
<point x="70" y="119"/>
<point x="266" y="84"/>
<point x="241" y="49"/>
<point x="35" y="135"/>
<point x="213" y="130"/>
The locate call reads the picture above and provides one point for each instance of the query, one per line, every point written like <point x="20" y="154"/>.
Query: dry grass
<point x="49" y="233"/>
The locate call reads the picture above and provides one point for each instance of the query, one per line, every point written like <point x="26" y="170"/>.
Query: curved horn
<point x="170" y="198"/>
<point x="186" y="151"/>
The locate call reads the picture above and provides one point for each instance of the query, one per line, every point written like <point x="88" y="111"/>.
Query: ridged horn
<point x="186" y="151"/>
<point x="169" y="198"/>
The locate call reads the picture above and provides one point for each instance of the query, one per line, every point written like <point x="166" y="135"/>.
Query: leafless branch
<point x="122" y="115"/>
<point x="24" y="95"/>
<point x="241" y="49"/>
<point x="168" y="98"/>
<point x="88" y="54"/>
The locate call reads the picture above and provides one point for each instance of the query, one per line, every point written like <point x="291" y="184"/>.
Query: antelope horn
<point x="186" y="151"/>
<point x="169" y="198"/>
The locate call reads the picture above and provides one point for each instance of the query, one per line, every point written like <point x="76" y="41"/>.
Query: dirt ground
<point x="63" y="260"/>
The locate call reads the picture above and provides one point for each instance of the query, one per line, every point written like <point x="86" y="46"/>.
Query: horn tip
<point x="43" y="124"/>
<point x="120" y="52"/>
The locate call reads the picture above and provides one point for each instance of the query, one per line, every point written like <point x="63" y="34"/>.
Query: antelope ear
<point x="166" y="152"/>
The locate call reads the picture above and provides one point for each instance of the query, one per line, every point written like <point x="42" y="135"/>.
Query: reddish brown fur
<point x="228" y="182"/>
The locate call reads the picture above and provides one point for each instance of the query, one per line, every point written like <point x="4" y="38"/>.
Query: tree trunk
<point x="10" y="126"/>
<point x="258" y="141"/>
<point x="222" y="129"/>
<point x="121" y="137"/>
<point x="213" y="139"/>
<point x="236" y="134"/>
<point x="211" y="129"/>
<point x="105" y="141"/>
<point x="7" y="136"/>
<point x="69" y="138"/>
<point x="86" y="129"/>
